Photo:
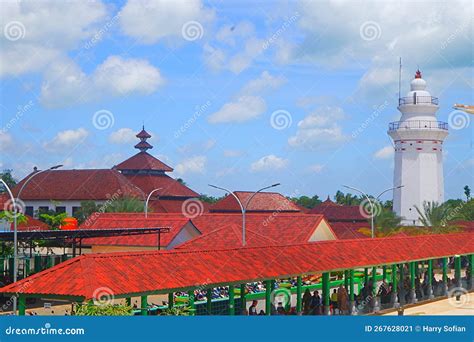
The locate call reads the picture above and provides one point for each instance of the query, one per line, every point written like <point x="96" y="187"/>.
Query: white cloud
<point x="317" y="168"/>
<point x="268" y="163"/>
<point x="233" y="153"/>
<point x="6" y="141"/>
<point x="123" y="136"/>
<point x="196" y="164"/>
<point x="249" y="104"/>
<point x="384" y="153"/>
<point x="66" y="140"/>
<point x="152" y="20"/>
<point x="48" y="29"/>
<point x="242" y="109"/>
<point x="66" y="84"/>
<point x="320" y="130"/>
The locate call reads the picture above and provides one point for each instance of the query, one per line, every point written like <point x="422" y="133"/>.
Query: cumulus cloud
<point x="36" y="33"/>
<point x="248" y="104"/>
<point x="123" y="136"/>
<point x="384" y="153"/>
<point x="65" y="83"/>
<point x="196" y="164"/>
<point x="320" y="130"/>
<point x="268" y="163"/>
<point x="152" y="20"/>
<point x="66" y="140"/>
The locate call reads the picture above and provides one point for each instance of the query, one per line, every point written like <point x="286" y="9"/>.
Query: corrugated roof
<point x="143" y="161"/>
<point x="140" y="272"/>
<point x="337" y="212"/>
<point x="263" y="201"/>
<point x="170" y="187"/>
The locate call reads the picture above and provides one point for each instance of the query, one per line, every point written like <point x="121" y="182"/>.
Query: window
<point x="75" y="210"/>
<point x="60" y="210"/>
<point x="42" y="210"/>
<point x="29" y="211"/>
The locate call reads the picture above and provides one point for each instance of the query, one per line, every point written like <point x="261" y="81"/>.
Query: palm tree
<point x="387" y="223"/>
<point x="437" y="216"/>
<point x="125" y="205"/>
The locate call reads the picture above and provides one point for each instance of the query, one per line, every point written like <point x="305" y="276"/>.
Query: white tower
<point x="418" y="138"/>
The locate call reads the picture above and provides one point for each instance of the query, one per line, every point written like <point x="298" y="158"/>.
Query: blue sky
<point x="235" y="93"/>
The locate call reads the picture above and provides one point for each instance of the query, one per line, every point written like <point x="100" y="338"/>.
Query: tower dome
<point x="418" y="83"/>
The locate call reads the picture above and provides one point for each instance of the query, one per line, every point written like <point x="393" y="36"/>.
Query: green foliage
<point x="7" y="177"/>
<point x="90" y="309"/>
<point x="435" y="215"/>
<point x="467" y="192"/>
<point x="86" y="210"/>
<point x="387" y="222"/>
<point x="180" y="180"/>
<point x="347" y="199"/>
<point x="209" y="199"/>
<point x="9" y="217"/>
<point x="7" y="249"/>
<point x="467" y="211"/>
<point x="177" y="311"/>
<point x="305" y="201"/>
<point x="125" y="205"/>
<point x="54" y="221"/>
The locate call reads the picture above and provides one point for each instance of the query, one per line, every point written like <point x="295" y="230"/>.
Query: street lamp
<point x="243" y="207"/>
<point x="372" y="203"/>
<point x="15" y="225"/>
<point x="147" y="199"/>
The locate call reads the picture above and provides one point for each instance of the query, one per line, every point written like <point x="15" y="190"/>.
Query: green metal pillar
<point x="209" y="301"/>
<point x="27" y="267"/>
<point x="346" y="279"/>
<point x="384" y="273"/>
<point x="128" y="301"/>
<point x="299" y="289"/>
<point x="268" y="299"/>
<point x="430" y="279"/>
<point x="144" y="305"/>
<point x="63" y="257"/>
<point x="243" y="299"/>
<point x="445" y="270"/>
<point x="412" y="266"/>
<point x="471" y="270"/>
<point x="170" y="300"/>
<point x="457" y="270"/>
<point x="231" y="300"/>
<point x="374" y="280"/>
<point x="326" y="290"/>
<point x="191" y="302"/>
<point x="2" y="266"/>
<point x="21" y="305"/>
<point x="366" y="275"/>
<point x="37" y="263"/>
<point x="49" y="261"/>
<point x="351" y="285"/>
<point x="394" y="295"/>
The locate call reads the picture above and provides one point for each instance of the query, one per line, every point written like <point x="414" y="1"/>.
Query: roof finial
<point x="418" y="73"/>
<point x="143" y="145"/>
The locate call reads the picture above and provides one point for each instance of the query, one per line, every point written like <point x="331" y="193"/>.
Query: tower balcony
<point x="414" y="100"/>
<point x="417" y="124"/>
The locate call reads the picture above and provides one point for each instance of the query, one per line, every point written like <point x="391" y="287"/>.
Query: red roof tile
<point x="143" y="161"/>
<point x="172" y="206"/>
<point x="32" y="224"/>
<point x="349" y="230"/>
<point x="142" y="272"/>
<point x="170" y="187"/>
<point x="263" y="201"/>
<point x="134" y="220"/>
<point x="336" y="212"/>
<point x="94" y="184"/>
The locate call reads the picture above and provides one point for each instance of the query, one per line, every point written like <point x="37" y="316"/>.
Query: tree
<point x="387" y="222"/>
<point x="7" y="177"/>
<point x="87" y="209"/>
<point x="90" y="309"/>
<point x="306" y="201"/>
<point x="125" y="205"/>
<point x="347" y="199"/>
<point x="54" y="221"/>
<point x="467" y="192"/>
<point x="209" y="199"/>
<point x="436" y="215"/>
<point x="466" y="211"/>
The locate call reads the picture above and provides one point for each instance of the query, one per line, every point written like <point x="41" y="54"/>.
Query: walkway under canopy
<point x="145" y="273"/>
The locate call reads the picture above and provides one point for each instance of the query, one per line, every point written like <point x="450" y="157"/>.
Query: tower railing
<point x="417" y="124"/>
<point x="413" y="100"/>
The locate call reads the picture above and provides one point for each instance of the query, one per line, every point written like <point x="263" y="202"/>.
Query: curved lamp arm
<point x="256" y="192"/>
<point x="242" y="208"/>
<point x="148" y="199"/>
<point x="34" y="175"/>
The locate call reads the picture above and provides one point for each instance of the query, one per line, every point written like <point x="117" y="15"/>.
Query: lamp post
<point x="372" y="204"/>
<point x="15" y="225"/>
<point x="243" y="207"/>
<point x="148" y="198"/>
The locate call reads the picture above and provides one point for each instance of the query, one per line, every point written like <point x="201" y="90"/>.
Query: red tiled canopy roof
<point x="170" y="186"/>
<point x="93" y="184"/>
<point x="143" y="161"/>
<point x="349" y="230"/>
<point x="134" y="220"/>
<point x="337" y="212"/>
<point x="165" y="271"/>
<point x="263" y="201"/>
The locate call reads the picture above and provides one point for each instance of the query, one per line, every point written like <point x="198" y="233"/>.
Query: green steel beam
<point x="144" y="305"/>
<point x="412" y="275"/>
<point x="384" y="273"/>
<point x="457" y="270"/>
<point x="209" y="301"/>
<point x="191" y="302"/>
<point x="268" y="300"/>
<point x="299" y="305"/>
<point x="430" y="271"/>
<point x="231" y="300"/>
<point x="170" y="300"/>
<point x="346" y="279"/>
<point x="243" y="299"/>
<point x="445" y="270"/>
<point x="394" y="278"/>
<point x="128" y="301"/>
<point x="374" y="280"/>
<point x="21" y="305"/>
<point x="351" y="285"/>
<point x="326" y="289"/>
<point x="366" y="275"/>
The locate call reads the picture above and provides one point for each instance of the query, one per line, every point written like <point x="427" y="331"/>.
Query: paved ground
<point x="444" y="307"/>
